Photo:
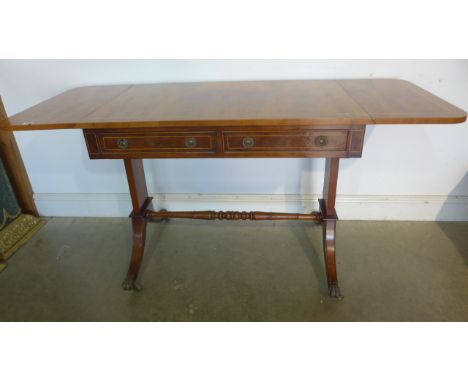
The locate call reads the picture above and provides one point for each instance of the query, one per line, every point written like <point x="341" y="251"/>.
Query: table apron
<point x="226" y="142"/>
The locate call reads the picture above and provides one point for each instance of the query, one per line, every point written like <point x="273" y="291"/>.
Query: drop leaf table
<point x="251" y="119"/>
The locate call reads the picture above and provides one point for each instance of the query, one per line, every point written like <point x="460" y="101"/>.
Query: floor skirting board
<point x="349" y="207"/>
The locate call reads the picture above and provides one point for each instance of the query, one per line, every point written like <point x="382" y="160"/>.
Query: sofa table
<point x="251" y="119"/>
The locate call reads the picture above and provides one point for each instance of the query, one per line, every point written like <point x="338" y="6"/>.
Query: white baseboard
<point x="349" y="207"/>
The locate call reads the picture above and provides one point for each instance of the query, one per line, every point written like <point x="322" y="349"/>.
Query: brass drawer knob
<point x="122" y="144"/>
<point x="190" y="143"/>
<point x="248" y="142"/>
<point x="321" y="140"/>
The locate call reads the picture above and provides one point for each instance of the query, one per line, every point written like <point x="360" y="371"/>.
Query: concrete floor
<point x="238" y="271"/>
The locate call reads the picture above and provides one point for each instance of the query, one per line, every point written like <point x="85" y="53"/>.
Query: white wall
<point x="427" y="179"/>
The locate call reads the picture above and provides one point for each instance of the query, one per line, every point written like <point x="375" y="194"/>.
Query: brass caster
<point x="334" y="291"/>
<point x="130" y="284"/>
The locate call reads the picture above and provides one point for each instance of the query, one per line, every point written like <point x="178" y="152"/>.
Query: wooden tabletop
<point x="253" y="103"/>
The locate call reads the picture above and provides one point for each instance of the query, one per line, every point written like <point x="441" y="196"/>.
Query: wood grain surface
<point x="322" y="141"/>
<point x="247" y="103"/>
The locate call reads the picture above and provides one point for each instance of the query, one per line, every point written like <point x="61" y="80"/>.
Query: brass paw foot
<point x="334" y="291"/>
<point x="130" y="284"/>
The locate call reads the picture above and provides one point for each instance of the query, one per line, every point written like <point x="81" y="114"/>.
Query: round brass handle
<point x="248" y="142"/>
<point x="122" y="144"/>
<point x="321" y="140"/>
<point x="190" y="143"/>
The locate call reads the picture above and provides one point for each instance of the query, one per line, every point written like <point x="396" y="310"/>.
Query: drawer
<point x="287" y="142"/>
<point x="150" y="143"/>
<point x="225" y="142"/>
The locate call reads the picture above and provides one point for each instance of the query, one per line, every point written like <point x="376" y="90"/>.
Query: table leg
<point x="140" y="201"/>
<point x="329" y="216"/>
<point x="139" y="237"/>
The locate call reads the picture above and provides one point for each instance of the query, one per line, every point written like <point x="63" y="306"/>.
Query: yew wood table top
<point x="252" y="103"/>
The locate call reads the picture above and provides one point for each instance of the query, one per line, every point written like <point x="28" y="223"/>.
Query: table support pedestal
<point x="140" y="202"/>
<point x="329" y="219"/>
<point x="142" y="213"/>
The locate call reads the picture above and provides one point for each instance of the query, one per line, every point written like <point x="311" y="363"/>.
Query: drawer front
<point x="225" y="142"/>
<point x="150" y="143"/>
<point x="290" y="142"/>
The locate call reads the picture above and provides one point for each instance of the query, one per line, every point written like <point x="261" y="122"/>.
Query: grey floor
<point x="238" y="271"/>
